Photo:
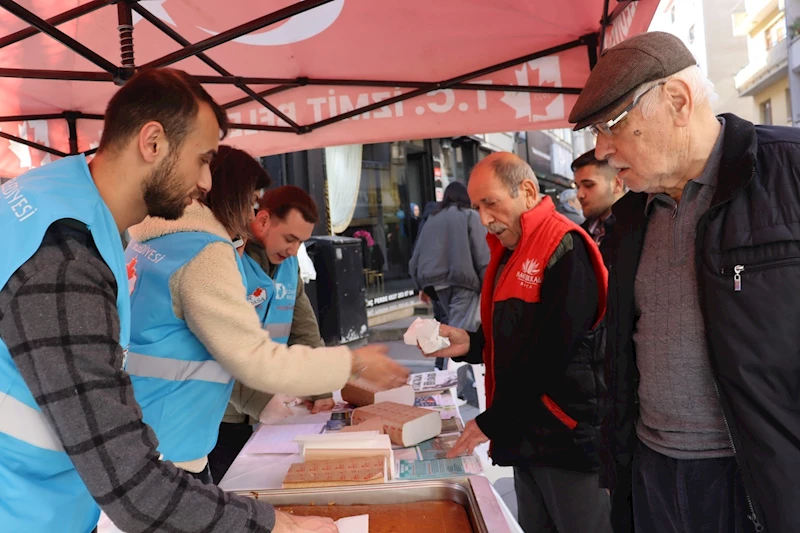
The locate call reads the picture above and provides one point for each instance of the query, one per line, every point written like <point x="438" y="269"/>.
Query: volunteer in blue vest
<point x="193" y="331"/>
<point x="72" y="440"/>
<point x="286" y="218"/>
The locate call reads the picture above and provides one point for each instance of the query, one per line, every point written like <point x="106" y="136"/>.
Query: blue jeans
<point x="688" y="495"/>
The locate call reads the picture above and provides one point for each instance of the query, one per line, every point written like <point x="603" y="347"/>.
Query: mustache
<point x="617" y="164"/>
<point x="496" y="228"/>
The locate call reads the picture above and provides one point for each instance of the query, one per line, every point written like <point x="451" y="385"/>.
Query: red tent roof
<point x="304" y="74"/>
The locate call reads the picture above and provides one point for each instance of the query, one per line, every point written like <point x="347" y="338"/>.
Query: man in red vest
<point x="543" y="296"/>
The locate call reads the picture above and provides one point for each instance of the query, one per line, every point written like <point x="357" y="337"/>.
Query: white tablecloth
<point x="266" y="471"/>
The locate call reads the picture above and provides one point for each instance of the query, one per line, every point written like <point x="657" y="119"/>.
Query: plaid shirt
<point x="59" y="319"/>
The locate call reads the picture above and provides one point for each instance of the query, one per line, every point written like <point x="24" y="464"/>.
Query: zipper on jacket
<point x="738" y="269"/>
<point x="752" y="516"/>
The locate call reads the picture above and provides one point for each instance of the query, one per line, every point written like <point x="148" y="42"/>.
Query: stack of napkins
<point x="354" y="524"/>
<point x="425" y="333"/>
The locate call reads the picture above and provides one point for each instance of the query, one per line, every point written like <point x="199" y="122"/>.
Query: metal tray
<point x="474" y="493"/>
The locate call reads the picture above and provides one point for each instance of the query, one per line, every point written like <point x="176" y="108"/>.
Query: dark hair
<point x="588" y="159"/>
<point x="234" y="177"/>
<point x="168" y="96"/>
<point x="281" y="200"/>
<point x="455" y="194"/>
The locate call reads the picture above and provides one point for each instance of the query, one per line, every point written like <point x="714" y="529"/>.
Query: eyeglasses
<point x="605" y="127"/>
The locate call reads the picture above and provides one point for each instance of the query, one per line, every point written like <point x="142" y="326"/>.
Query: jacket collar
<point x="196" y="217"/>
<point x="530" y="222"/>
<point x="255" y="250"/>
<point x="739" y="148"/>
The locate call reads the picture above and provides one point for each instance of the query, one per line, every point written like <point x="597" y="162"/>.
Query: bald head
<point x="502" y="187"/>
<point x="508" y="168"/>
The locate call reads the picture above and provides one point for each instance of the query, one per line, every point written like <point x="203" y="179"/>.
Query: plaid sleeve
<point x="59" y="320"/>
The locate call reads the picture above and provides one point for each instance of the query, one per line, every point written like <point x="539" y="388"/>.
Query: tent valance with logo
<point x="308" y="74"/>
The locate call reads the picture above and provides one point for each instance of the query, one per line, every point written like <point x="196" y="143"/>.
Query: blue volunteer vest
<point x="273" y="299"/>
<point x="181" y="389"/>
<point x="40" y="490"/>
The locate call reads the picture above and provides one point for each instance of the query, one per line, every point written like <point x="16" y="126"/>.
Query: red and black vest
<point x="577" y="402"/>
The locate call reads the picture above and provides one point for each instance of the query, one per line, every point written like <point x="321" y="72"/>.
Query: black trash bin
<point x="338" y="295"/>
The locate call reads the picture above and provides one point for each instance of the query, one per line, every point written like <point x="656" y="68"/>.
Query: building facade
<point x="719" y="51"/>
<point x="378" y="192"/>
<point x="765" y="77"/>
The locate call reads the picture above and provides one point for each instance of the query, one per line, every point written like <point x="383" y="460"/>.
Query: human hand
<point x="287" y="523"/>
<point x="276" y="409"/>
<point x="424" y="298"/>
<point x="459" y="343"/>
<point x="469" y="439"/>
<point x="325" y="404"/>
<point x="373" y="363"/>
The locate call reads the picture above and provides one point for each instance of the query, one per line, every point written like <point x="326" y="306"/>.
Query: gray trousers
<point x="552" y="500"/>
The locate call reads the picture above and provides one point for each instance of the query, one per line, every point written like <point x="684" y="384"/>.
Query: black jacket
<point x="547" y="375"/>
<point x="609" y="224"/>
<point x="753" y="338"/>
<point x="547" y="348"/>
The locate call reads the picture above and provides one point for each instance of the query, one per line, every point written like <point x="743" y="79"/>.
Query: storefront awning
<point x="300" y="75"/>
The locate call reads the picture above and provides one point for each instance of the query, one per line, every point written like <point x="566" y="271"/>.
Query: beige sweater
<point x="209" y="295"/>
<point x="246" y="404"/>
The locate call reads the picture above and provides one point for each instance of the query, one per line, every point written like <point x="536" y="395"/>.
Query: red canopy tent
<point x="305" y="74"/>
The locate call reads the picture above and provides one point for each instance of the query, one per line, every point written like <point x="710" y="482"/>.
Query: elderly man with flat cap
<point x="543" y="295"/>
<point x="704" y="300"/>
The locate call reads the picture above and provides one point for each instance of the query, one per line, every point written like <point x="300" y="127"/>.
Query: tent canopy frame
<point x="120" y="74"/>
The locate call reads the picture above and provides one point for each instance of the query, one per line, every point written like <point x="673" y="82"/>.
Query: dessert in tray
<point x="434" y="516"/>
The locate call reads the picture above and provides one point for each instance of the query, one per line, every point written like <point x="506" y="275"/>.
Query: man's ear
<point x="263" y="218"/>
<point x="152" y="142"/>
<point x="680" y="100"/>
<point x="617" y="185"/>
<point x="529" y="192"/>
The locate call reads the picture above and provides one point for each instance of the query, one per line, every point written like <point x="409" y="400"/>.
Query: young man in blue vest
<point x="72" y="438"/>
<point x="285" y="219"/>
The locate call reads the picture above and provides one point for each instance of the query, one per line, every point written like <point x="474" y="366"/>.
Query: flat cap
<point x="623" y="68"/>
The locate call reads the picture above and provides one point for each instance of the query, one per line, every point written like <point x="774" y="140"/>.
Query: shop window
<point x="387" y="215"/>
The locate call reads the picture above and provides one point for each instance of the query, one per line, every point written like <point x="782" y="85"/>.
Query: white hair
<point x="700" y="87"/>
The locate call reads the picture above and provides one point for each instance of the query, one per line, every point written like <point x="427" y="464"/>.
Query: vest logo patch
<point x="132" y="277"/>
<point x="258" y="297"/>
<point x="12" y="194"/>
<point x="528" y="274"/>
<point x="151" y="254"/>
<point x="281" y="292"/>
